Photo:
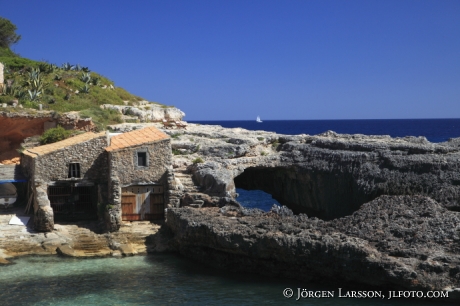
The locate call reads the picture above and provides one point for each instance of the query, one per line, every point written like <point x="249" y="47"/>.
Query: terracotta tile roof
<point x="45" y="149"/>
<point x="134" y="138"/>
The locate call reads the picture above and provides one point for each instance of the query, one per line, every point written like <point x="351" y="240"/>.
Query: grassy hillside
<point x="61" y="88"/>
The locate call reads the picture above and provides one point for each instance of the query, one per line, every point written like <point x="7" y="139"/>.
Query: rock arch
<point x="320" y="194"/>
<point x="332" y="175"/>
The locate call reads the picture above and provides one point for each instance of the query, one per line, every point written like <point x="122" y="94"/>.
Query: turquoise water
<point x="165" y="279"/>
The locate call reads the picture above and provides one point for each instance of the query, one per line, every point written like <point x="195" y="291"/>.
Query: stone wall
<point x="90" y="154"/>
<point x="44" y="215"/>
<point x="124" y="172"/>
<point x="112" y="215"/>
<point x="44" y="170"/>
<point x="28" y="166"/>
<point x="123" y="163"/>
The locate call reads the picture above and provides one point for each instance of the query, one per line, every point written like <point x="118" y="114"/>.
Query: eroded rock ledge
<point x="404" y="242"/>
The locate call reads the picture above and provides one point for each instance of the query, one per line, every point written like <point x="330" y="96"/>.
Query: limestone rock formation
<point x="147" y="112"/>
<point x="389" y="207"/>
<point x="327" y="175"/>
<point x="403" y="242"/>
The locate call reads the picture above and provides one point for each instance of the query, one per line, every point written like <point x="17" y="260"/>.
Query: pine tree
<point x="8" y="34"/>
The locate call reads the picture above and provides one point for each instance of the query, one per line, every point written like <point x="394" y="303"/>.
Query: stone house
<point x="111" y="176"/>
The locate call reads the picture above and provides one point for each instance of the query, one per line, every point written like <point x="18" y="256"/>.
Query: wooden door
<point x="128" y="204"/>
<point x="142" y="203"/>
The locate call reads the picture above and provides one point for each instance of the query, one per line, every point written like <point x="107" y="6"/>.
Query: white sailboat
<point x="258" y="119"/>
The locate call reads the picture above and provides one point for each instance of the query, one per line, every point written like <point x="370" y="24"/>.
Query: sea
<point x="435" y="130"/>
<point x="169" y="279"/>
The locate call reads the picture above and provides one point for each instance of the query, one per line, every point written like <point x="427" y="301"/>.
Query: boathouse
<point x="99" y="175"/>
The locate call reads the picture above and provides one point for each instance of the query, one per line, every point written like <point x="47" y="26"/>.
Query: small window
<point x="142" y="159"/>
<point x="74" y="170"/>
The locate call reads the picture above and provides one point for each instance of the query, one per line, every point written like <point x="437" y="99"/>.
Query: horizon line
<point x="321" y="119"/>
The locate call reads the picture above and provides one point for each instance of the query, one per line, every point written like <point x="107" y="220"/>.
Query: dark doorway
<point x="73" y="203"/>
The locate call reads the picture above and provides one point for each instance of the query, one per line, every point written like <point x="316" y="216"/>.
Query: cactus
<point x="67" y="66"/>
<point x="34" y="74"/>
<point x="34" y="95"/>
<point x="85" y="77"/>
<point x="85" y="89"/>
<point x="47" y="68"/>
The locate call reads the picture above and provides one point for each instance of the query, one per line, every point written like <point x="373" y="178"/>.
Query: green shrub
<point x="260" y="138"/>
<point x="175" y="135"/>
<point x="54" y="135"/>
<point x="198" y="160"/>
<point x="263" y="153"/>
<point x="16" y="63"/>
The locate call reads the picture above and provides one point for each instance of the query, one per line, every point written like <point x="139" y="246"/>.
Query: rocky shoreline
<point x="389" y="243"/>
<point x="374" y="210"/>
<point x="84" y="239"/>
<point x="380" y="211"/>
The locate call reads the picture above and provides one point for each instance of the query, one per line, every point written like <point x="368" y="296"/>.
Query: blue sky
<point x="234" y="60"/>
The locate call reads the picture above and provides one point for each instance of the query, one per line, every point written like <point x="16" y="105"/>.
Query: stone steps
<point x="88" y="243"/>
<point x="186" y="181"/>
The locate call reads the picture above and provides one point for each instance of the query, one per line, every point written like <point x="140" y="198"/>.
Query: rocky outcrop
<point x="388" y="207"/>
<point x="404" y="242"/>
<point x="147" y="112"/>
<point x="215" y="179"/>
<point x="327" y="175"/>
